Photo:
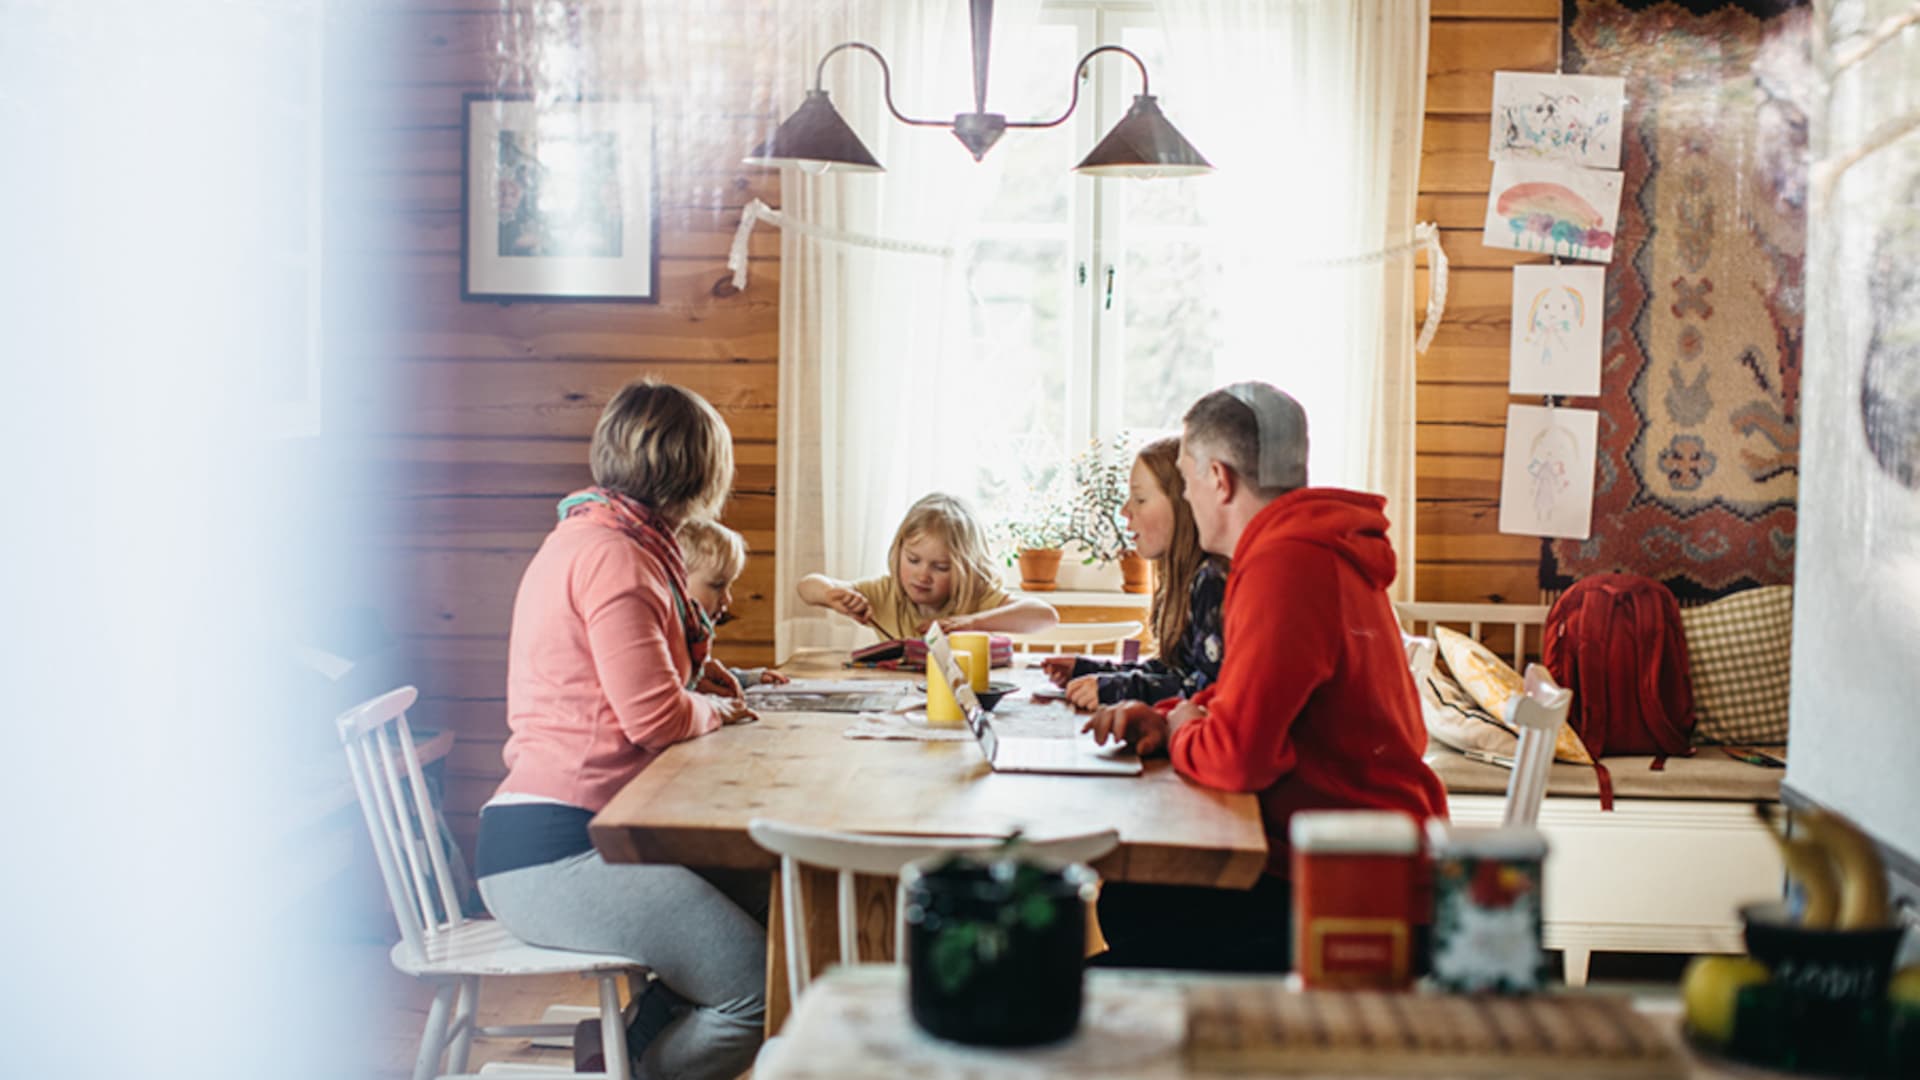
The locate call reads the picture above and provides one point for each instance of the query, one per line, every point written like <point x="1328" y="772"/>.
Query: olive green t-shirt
<point x="897" y="616"/>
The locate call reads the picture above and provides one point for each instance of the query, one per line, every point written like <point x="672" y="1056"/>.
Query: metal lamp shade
<point x="1144" y="144"/>
<point x="815" y="137"/>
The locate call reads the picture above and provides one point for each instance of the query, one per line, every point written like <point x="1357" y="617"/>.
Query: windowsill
<point x="1089" y="598"/>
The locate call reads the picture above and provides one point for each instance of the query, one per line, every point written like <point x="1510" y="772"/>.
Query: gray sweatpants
<point x="703" y="943"/>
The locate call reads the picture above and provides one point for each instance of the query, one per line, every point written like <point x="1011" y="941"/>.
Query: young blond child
<point x="715" y="557"/>
<point x="938" y="569"/>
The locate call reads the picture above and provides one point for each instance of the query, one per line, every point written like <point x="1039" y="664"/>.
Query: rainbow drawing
<point x="1567" y="211"/>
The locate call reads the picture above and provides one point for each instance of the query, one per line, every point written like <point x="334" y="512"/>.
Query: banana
<point x="1862" y="876"/>
<point x="1807" y="863"/>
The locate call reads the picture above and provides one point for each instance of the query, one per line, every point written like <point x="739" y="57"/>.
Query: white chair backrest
<point x="878" y="856"/>
<point x="1420" y="617"/>
<point x="400" y="818"/>
<point x="1537" y="715"/>
<point x="1077" y="637"/>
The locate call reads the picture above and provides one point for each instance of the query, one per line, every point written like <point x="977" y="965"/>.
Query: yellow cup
<point x="942" y="709"/>
<point x="978" y="646"/>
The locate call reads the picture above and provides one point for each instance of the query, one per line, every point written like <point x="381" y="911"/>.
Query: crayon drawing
<point x="1546" y="482"/>
<point x="1557" y="312"/>
<point x="1571" y="119"/>
<point x="1552" y="210"/>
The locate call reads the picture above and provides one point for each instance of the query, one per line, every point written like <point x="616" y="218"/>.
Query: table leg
<point x="873" y="896"/>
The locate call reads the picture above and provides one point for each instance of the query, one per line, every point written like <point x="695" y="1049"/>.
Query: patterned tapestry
<point x="1699" y="435"/>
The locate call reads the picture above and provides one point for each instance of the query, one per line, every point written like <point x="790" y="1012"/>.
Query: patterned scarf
<point x="645" y="528"/>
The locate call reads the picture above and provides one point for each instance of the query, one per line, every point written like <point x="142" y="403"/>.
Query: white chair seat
<point x="484" y="947"/>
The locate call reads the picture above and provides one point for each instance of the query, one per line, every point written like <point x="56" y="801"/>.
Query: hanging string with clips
<point x="1426" y="236"/>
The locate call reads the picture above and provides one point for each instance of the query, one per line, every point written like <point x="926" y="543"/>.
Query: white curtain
<point x="1311" y="111"/>
<point x="874" y="401"/>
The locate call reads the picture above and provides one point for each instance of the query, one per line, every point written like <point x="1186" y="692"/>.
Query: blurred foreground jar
<point x="1354" y="887"/>
<point x="1487" y="908"/>
<point x="996" y="950"/>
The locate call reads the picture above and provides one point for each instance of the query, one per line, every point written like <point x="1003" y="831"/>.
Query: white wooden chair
<point x="1077" y="637"/>
<point x="438" y="942"/>
<point x="1537" y="714"/>
<point x="880" y="856"/>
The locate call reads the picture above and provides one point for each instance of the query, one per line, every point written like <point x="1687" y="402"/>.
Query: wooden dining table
<point x="692" y="805"/>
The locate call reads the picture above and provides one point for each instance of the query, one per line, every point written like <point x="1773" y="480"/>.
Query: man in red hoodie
<point x="1314" y="708"/>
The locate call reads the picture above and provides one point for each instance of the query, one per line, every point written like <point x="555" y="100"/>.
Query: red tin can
<point x="1355" y="882"/>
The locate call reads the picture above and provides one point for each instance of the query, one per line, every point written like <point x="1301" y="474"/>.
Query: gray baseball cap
<point x="1283" y="433"/>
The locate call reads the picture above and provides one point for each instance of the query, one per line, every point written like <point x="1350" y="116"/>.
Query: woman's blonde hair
<point x="1173" y="571"/>
<point x="665" y="446"/>
<point x="948" y="520"/>
<point x="703" y="540"/>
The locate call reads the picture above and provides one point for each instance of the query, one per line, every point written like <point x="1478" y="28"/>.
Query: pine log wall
<point x="472" y="419"/>
<point x="1462" y="387"/>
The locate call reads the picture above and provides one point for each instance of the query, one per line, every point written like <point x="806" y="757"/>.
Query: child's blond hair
<point x="704" y="541"/>
<point x="948" y="520"/>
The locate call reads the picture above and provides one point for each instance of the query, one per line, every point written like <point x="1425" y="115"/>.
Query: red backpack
<point x="1615" y="640"/>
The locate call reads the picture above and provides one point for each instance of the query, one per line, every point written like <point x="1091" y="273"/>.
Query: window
<point x="1096" y="293"/>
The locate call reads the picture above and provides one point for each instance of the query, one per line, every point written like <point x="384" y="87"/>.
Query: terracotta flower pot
<point x="1039" y="569"/>
<point x="1136" y="573"/>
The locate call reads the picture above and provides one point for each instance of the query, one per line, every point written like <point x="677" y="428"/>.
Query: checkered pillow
<point x="1740" y="651"/>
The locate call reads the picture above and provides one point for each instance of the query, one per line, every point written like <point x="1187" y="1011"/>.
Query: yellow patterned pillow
<point x="1494" y="684"/>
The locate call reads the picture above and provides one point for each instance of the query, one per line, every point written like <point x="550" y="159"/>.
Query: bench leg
<point x="1573" y="965"/>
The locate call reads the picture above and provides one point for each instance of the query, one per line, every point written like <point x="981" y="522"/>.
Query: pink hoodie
<point x="597" y="667"/>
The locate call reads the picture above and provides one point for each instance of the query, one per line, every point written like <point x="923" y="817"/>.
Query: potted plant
<point x="1035" y="541"/>
<point x="1033" y="532"/>
<point x="1100" y="474"/>
<point x="996" y="947"/>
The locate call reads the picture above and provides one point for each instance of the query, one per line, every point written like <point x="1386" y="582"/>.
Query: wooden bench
<point x="1666" y="869"/>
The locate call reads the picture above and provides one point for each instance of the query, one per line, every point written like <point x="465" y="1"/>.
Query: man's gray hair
<point x="1256" y="430"/>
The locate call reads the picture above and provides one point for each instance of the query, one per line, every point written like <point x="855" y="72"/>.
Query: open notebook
<point x="1014" y="753"/>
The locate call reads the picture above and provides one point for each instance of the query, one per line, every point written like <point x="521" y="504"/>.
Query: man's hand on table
<point x="1135" y="723"/>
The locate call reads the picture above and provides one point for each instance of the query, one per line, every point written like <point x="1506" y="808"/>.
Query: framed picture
<point x="560" y="201"/>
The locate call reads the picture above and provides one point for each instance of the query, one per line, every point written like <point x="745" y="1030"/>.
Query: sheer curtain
<point x="875" y="395"/>
<point x="1311" y="112"/>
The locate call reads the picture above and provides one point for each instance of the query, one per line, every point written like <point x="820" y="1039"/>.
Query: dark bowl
<point x="994" y="692"/>
<point x="1825" y="1008"/>
<point x="1830" y="965"/>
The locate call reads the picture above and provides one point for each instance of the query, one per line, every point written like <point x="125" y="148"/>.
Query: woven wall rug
<point x="1699" y="435"/>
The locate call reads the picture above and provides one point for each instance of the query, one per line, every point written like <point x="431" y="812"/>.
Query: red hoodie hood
<point x="1351" y="524"/>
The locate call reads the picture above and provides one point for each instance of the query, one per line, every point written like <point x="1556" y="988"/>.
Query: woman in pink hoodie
<point x="604" y="644"/>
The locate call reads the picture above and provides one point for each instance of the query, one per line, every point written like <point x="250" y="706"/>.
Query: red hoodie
<point x="1315" y="707"/>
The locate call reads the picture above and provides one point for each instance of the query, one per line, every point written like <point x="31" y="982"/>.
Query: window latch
<point x="1080" y="272"/>
<point x="1109" y="303"/>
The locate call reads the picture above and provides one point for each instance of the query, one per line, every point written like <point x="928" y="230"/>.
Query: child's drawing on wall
<point x="1572" y="119"/>
<point x="1555" y="347"/>
<point x="1546" y="485"/>
<point x="1553" y="210"/>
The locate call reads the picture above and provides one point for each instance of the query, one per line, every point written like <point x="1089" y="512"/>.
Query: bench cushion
<point x="1739" y="650"/>
<point x="1709" y="775"/>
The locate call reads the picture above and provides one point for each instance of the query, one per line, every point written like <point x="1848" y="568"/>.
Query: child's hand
<point x="1059" y="669"/>
<point x="770" y="677"/>
<point x="851" y="604"/>
<point x="950" y="624"/>
<point x="1084" y="692"/>
<point x="716" y="679"/>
